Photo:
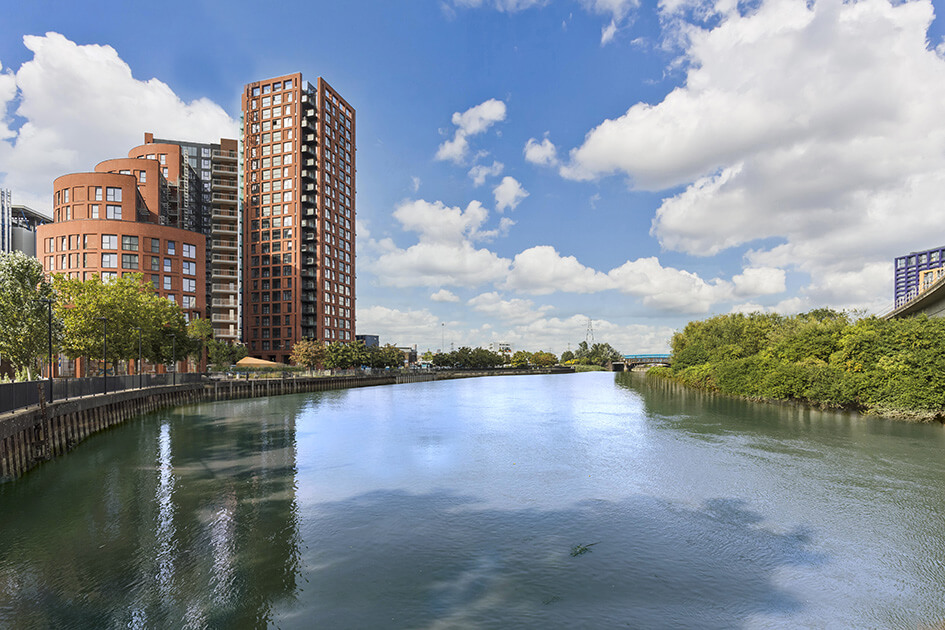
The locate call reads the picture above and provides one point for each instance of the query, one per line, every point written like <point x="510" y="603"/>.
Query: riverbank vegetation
<point x="599" y="354"/>
<point x="824" y="358"/>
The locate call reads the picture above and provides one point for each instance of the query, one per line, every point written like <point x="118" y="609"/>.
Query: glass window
<point x="155" y="263"/>
<point x="143" y="177"/>
<point x="109" y="275"/>
<point x="110" y="260"/>
<point x="93" y="211"/>
<point x="167" y="265"/>
<point x="129" y="261"/>
<point x="112" y="194"/>
<point x="112" y="212"/>
<point x="172" y="247"/>
<point x="167" y="283"/>
<point x="156" y="281"/>
<point x="190" y="268"/>
<point x="109" y="241"/>
<point x="189" y="251"/>
<point x="190" y="285"/>
<point x="155" y="246"/>
<point x="129" y="243"/>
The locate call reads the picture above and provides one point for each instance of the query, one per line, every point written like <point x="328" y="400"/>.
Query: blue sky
<point x="525" y="166"/>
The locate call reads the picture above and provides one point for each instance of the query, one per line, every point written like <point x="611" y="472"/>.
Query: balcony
<point x="224" y="168"/>
<point x="224" y="288"/>
<point x="231" y="303"/>
<point x="218" y="244"/>
<point x="224" y="317"/>
<point x="223" y="184"/>
<point x="225" y="198"/>
<point x="220" y="213"/>
<point x="229" y="156"/>
<point x="225" y="333"/>
<point x="220" y="272"/>
<point x="229" y="228"/>
<point x="225" y="257"/>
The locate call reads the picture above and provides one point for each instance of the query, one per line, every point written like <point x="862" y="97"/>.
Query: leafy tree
<point x="521" y="358"/>
<point x="125" y="303"/>
<point x="24" y="319"/>
<point x="566" y="356"/>
<point x="544" y="359"/>
<point x="308" y="352"/>
<point x="346" y="355"/>
<point x="389" y="356"/>
<point x="200" y="332"/>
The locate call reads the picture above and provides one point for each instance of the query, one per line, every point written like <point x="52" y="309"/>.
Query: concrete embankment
<point x="39" y="433"/>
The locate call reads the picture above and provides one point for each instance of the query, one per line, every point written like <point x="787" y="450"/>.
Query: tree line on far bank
<point x="823" y="357"/>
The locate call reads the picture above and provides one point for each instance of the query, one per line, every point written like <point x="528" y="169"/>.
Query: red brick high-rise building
<point x="298" y="189"/>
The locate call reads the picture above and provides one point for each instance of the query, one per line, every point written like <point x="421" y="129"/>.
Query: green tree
<point x="125" y="303"/>
<point x="389" y="356"/>
<point x="308" y="352"/>
<point x="544" y="359"/>
<point x="521" y="359"/>
<point x="200" y="332"/>
<point x="566" y="356"/>
<point x="24" y="318"/>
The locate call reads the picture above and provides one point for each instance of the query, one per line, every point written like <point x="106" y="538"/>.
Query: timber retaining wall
<point x="39" y="433"/>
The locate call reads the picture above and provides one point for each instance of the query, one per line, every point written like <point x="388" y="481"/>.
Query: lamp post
<point x="48" y="302"/>
<point x="104" y="354"/>
<point x="138" y="328"/>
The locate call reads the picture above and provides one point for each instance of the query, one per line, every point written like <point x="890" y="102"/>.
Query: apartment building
<point x="915" y="272"/>
<point x="298" y="211"/>
<point x="203" y="197"/>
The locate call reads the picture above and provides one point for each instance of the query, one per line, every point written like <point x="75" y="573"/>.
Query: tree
<point x="346" y="355"/>
<point x="521" y="358"/>
<point x="126" y="303"/>
<point x="200" y="331"/>
<point x="24" y="319"/>
<point x="308" y="352"/>
<point x="544" y="359"/>
<point x="389" y="356"/>
<point x="566" y="356"/>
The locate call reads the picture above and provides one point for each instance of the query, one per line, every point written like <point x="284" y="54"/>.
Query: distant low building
<point x="371" y="341"/>
<point x="505" y="349"/>
<point x="24" y="222"/>
<point x="410" y="354"/>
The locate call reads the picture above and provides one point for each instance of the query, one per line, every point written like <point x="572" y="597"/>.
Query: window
<point x="142" y="177"/>
<point x="167" y="265"/>
<point x="189" y="285"/>
<point x="112" y="194"/>
<point x="188" y="301"/>
<point x="155" y="246"/>
<point x="155" y="263"/>
<point x="129" y="243"/>
<point x="129" y="261"/>
<point x="167" y="283"/>
<point x="933" y="257"/>
<point x="113" y="212"/>
<point x="156" y="281"/>
<point x="93" y="211"/>
<point x="172" y="247"/>
<point x="109" y="275"/>
<point x="109" y="241"/>
<point x="189" y="251"/>
<point x="162" y="158"/>
<point x="110" y="260"/>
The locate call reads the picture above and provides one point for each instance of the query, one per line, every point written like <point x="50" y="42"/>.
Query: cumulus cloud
<point x="759" y="281"/>
<point x="508" y="194"/>
<point x="395" y="326"/>
<point x="542" y="270"/>
<point x="444" y="295"/>
<point x="78" y="105"/>
<point x="471" y="122"/>
<point x="814" y="125"/>
<point x="480" y="172"/>
<point x="514" y="310"/>
<point x="667" y="288"/>
<point x="505" y="6"/>
<point x="543" y="153"/>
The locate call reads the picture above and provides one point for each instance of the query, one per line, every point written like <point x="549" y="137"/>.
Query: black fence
<point x="18" y="395"/>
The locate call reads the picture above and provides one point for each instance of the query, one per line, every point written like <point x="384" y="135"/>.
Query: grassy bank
<point x="823" y="358"/>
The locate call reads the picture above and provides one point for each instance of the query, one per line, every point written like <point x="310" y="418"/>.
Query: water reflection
<point x="206" y="534"/>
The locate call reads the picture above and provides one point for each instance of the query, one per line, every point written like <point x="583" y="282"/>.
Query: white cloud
<point x="438" y="223"/>
<point x="555" y="334"/>
<point x="667" y="288"/>
<point x="505" y="6"/>
<point x="81" y="105"/>
<point x="444" y="295"/>
<point x="515" y="310"/>
<point x="607" y="33"/>
<point x="543" y="153"/>
<point x="814" y="124"/>
<point x="473" y="121"/>
<point x="480" y="172"/>
<point x="394" y="326"/>
<point x="759" y="281"/>
<point x="415" y="183"/>
<point x="508" y="194"/>
<point x="542" y="270"/>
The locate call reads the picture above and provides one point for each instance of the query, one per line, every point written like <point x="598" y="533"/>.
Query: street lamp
<point x="104" y="354"/>
<point x="48" y="302"/>
<point x="138" y="328"/>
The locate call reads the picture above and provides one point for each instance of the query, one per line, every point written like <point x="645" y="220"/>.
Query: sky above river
<point x="525" y="167"/>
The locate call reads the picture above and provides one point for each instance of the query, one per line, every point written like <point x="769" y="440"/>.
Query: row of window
<point x="110" y="241"/>
<point x="276" y="86"/>
<point x="112" y="193"/>
<point x="920" y="259"/>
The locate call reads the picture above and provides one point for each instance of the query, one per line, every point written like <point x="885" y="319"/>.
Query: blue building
<point x="912" y="272"/>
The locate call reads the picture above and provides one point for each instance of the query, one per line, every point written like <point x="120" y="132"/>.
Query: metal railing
<point x="24" y="394"/>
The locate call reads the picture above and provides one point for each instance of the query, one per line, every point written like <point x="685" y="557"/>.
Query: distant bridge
<point x="631" y="361"/>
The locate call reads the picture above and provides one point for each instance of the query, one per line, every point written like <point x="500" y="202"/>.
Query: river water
<point x="560" y="501"/>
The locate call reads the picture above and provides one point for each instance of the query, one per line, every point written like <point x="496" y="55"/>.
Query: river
<point x="560" y="501"/>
